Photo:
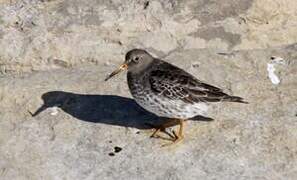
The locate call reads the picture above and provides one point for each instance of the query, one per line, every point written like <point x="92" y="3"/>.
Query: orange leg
<point x="162" y="128"/>
<point x="180" y="135"/>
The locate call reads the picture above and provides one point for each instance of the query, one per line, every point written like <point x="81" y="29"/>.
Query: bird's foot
<point x="156" y="134"/>
<point x="178" y="138"/>
<point x="174" y="137"/>
<point x="158" y="129"/>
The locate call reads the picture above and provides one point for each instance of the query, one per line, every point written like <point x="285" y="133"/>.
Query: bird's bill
<point x="120" y="69"/>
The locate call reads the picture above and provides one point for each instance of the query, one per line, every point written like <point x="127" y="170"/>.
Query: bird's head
<point x="136" y="60"/>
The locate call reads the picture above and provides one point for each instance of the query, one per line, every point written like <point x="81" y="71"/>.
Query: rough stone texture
<point x="50" y="34"/>
<point x="254" y="141"/>
<point x="55" y="54"/>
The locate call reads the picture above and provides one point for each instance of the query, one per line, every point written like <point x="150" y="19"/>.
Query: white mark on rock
<point x="271" y="69"/>
<point x="271" y="73"/>
<point x="54" y="111"/>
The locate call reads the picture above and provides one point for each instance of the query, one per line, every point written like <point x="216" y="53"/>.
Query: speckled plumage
<point x="169" y="91"/>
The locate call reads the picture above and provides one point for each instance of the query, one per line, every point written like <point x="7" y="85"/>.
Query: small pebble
<point x="111" y="154"/>
<point x="117" y="149"/>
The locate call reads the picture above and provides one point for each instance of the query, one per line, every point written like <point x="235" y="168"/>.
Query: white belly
<point x="172" y="108"/>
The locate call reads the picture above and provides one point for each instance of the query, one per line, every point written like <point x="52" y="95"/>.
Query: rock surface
<point x="55" y="54"/>
<point x="49" y="34"/>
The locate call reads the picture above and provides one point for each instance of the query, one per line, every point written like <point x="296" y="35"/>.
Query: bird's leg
<point x="162" y="127"/>
<point x="178" y="136"/>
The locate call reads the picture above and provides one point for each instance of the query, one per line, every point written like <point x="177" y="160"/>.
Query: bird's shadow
<point x="106" y="109"/>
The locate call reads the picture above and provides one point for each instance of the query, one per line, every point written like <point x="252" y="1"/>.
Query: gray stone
<point x="254" y="141"/>
<point x="85" y="32"/>
<point x="55" y="55"/>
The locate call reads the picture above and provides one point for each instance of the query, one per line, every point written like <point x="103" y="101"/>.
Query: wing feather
<point x="174" y="83"/>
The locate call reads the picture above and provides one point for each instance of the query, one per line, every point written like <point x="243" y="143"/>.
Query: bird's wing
<point x="174" y="83"/>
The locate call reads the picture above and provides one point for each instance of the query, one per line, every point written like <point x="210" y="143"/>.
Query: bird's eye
<point x="136" y="59"/>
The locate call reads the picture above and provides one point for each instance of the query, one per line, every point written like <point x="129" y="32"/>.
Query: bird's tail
<point x="234" y="99"/>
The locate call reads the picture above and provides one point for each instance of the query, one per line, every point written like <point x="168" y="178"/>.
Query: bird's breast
<point x="159" y="105"/>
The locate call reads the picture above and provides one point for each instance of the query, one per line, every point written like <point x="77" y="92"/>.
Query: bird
<point x="168" y="91"/>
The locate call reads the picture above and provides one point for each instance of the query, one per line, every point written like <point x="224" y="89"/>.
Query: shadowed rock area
<point x="107" y="109"/>
<point x="60" y="120"/>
